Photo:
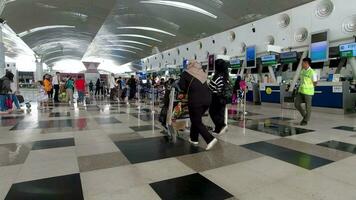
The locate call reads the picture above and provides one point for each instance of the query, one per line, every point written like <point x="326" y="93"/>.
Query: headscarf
<point x="222" y="68"/>
<point x="196" y="70"/>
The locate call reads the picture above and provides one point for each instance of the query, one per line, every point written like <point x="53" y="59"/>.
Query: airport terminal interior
<point x="178" y="100"/>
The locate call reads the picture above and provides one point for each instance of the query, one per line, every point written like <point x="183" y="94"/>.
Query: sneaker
<point x="211" y="144"/>
<point x="192" y="142"/>
<point x="223" y="130"/>
<point x="303" y="123"/>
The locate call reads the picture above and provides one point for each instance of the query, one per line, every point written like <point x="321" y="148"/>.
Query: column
<point x="2" y="54"/>
<point x="352" y="62"/>
<point x="39" y="71"/>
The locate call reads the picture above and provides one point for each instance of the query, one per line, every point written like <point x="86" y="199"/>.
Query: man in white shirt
<point x="55" y="83"/>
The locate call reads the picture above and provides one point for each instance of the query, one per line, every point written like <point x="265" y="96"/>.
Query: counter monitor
<point x="348" y="50"/>
<point x="288" y="57"/>
<point x="235" y="63"/>
<point x="269" y="60"/>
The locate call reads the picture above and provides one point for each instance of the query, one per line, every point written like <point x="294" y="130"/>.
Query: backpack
<point x="228" y="90"/>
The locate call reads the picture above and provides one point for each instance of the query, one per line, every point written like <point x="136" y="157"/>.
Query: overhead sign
<point x="235" y="63"/>
<point x="269" y="60"/>
<point x="348" y="50"/>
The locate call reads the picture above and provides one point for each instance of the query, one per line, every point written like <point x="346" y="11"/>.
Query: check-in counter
<point x="328" y="94"/>
<point x="270" y="92"/>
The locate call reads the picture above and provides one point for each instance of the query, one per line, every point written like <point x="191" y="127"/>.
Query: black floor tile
<point x="107" y="120"/>
<point x="143" y="128"/>
<point x="146" y="116"/>
<point x="57" y="188"/>
<point x="64" y="123"/>
<point x="149" y="149"/>
<point x="298" y="158"/>
<point x="52" y="124"/>
<point x="10" y="120"/>
<point x="272" y="128"/>
<point x="190" y="187"/>
<point x="346" y="128"/>
<point x="48" y="144"/>
<point x="59" y="114"/>
<point x="342" y="146"/>
<point x="278" y="118"/>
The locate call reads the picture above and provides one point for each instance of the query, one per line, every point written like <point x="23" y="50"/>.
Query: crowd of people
<point x="52" y="88"/>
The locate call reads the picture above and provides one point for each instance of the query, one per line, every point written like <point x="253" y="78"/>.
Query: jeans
<point x="80" y="96"/>
<point x="2" y="103"/>
<point x="15" y="100"/>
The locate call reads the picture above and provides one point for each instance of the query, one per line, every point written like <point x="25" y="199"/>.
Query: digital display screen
<point x="185" y="64"/>
<point x="288" y="57"/>
<point x="348" y="50"/>
<point x="319" y="47"/>
<point x="319" y="51"/>
<point x="251" y="57"/>
<point x="235" y="63"/>
<point x="269" y="60"/>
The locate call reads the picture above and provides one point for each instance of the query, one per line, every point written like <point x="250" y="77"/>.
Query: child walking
<point x="42" y="97"/>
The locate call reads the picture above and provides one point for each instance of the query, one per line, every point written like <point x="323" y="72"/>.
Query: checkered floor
<point x="119" y="151"/>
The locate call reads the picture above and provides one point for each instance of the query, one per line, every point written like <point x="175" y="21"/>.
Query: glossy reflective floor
<point x="113" y="151"/>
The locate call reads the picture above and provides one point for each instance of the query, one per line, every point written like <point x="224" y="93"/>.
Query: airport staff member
<point x="308" y="81"/>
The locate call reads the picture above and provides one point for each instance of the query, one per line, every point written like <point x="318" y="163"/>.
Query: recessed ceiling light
<point x="132" y="35"/>
<point x="43" y="28"/>
<point x="180" y="5"/>
<point x="147" y="29"/>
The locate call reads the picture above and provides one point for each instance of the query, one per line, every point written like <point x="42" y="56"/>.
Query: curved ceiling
<point x="127" y="30"/>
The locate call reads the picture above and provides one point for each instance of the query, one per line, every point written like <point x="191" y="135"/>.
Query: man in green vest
<point x="308" y="81"/>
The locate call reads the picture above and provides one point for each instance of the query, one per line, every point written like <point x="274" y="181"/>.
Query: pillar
<point x="352" y="62"/>
<point x="39" y="71"/>
<point x="2" y="54"/>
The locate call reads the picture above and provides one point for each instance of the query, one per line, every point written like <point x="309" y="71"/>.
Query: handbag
<point x="8" y="102"/>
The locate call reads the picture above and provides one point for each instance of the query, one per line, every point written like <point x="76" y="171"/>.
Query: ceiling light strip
<point x="43" y="28"/>
<point x="144" y="28"/>
<point x="132" y="35"/>
<point x="181" y="5"/>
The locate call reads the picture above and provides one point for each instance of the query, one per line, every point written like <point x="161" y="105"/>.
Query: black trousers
<point x="217" y="112"/>
<point x="132" y="93"/>
<point x="197" y="127"/>
<point x="56" y="92"/>
<point x="97" y="90"/>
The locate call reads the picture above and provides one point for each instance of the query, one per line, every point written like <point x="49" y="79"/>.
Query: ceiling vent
<point x="242" y="47"/>
<point x="324" y="8"/>
<point x="349" y="24"/>
<point x="301" y="35"/>
<point x="270" y="40"/>
<point x="283" y="21"/>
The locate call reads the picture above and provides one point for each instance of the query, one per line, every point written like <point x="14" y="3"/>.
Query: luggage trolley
<point x="175" y="124"/>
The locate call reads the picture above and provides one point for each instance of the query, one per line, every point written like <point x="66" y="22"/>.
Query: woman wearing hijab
<point x="217" y="85"/>
<point x="194" y="83"/>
